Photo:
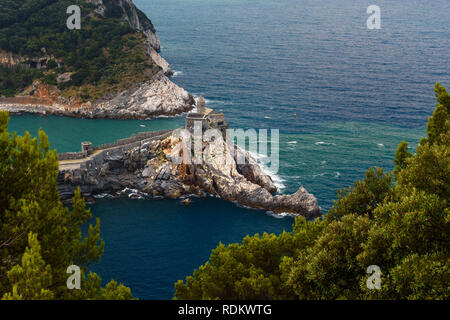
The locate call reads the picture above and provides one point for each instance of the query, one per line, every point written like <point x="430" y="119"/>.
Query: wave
<point x="211" y="103"/>
<point x="292" y="142"/>
<point x="177" y="73"/>
<point x="319" y="174"/>
<point x="282" y="214"/>
<point x="102" y="195"/>
<point x="135" y="196"/>
<point x="277" y="180"/>
<point x="133" y="193"/>
<point x="323" y="143"/>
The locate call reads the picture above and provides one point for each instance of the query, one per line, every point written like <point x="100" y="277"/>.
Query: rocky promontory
<point x="148" y="167"/>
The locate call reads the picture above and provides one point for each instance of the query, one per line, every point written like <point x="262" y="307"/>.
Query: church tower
<point x="201" y="105"/>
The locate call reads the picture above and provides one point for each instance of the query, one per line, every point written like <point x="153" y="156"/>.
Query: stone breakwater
<point x="157" y="97"/>
<point x="148" y="167"/>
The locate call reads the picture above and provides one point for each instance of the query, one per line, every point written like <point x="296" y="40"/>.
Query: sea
<point x="342" y="96"/>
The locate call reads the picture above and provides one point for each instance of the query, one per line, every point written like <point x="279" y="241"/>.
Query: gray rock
<point x="148" y="172"/>
<point x="131" y="166"/>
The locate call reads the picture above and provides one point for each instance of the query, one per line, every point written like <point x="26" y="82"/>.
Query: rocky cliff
<point x="149" y="169"/>
<point x="137" y="20"/>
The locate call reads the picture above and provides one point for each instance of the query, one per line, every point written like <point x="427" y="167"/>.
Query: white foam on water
<point x="277" y="180"/>
<point x="282" y="214"/>
<point x="211" y="103"/>
<point x="135" y="196"/>
<point x="292" y="142"/>
<point x="177" y="73"/>
<point x="337" y="174"/>
<point x="320" y="143"/>
<point x="128" y="190"/>
<point x="380" y="144"/>
<point x="102" y="195"/>
<point x="318" y="175"/>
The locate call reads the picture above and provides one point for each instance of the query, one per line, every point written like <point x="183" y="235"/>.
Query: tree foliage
<point x="39" y="237"/>
<point x="403" y="228"/>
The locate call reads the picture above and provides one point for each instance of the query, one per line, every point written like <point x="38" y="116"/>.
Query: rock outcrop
<point x="157" y="97"/>
<point x="149" y="168"/>
<point x="160" y="61"/>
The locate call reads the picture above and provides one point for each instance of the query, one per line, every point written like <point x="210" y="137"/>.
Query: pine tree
<point x="30" y="203"/>
<point x="401" y="156"/>
<point x="31" y="279"/>
<point x="404" y="229"/>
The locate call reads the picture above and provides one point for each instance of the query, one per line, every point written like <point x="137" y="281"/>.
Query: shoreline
<point x="159" y="97"/>
<point x="146" y="164"/>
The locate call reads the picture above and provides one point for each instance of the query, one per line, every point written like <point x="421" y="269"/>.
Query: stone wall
<point x="128" y="143"/>
<point x="134" y="138"/>
<point x="71" y="156"/>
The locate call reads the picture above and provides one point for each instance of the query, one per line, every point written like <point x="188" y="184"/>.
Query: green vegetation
<point x="404" y="228"/>
<point x="39" y="237"/>
<point x="105" y="56"/>
<point x="12" y="80"/>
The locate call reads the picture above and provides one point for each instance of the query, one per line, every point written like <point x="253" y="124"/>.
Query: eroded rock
<point x="148" y="168"/>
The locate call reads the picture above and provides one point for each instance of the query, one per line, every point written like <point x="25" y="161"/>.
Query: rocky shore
<point x="148" y="169"/>
<point x="158" y="97"/>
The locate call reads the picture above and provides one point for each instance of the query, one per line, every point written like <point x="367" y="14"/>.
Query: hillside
<point x="115" y="50"/>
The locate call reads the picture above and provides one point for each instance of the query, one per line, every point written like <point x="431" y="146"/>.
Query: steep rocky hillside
<point x="114" y="52"/>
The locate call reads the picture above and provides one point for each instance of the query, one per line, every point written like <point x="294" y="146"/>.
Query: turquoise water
<point x="356" y="92"/>
<point x="66" y="134"/>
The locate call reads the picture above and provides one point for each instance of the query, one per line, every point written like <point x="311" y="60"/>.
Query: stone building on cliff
<point x="208" y="117"/>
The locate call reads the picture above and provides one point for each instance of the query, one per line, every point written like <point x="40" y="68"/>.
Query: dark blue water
<point x="356" y="93"/>
<point x="151" y="244"/>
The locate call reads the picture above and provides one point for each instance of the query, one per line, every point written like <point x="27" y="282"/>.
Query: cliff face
<point x="128" y="11"/>
<point x="160" y="96"/>
<point x="138" y="21"/>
